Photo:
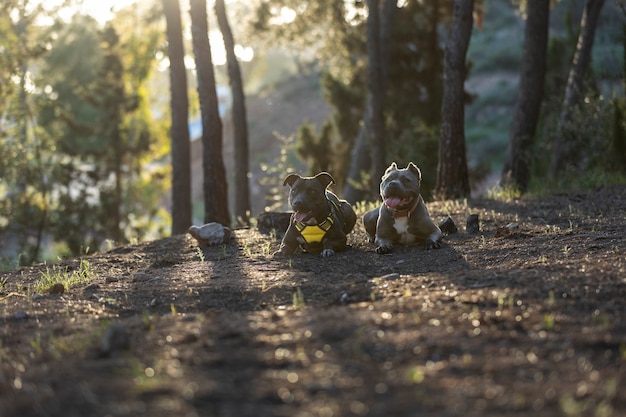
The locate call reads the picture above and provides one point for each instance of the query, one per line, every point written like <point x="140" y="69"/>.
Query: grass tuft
<point x="59" y="275"/>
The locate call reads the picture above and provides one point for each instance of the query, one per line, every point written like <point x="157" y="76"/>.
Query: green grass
<point x="62" y="275"/>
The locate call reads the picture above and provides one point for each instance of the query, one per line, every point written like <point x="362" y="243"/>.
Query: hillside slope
<point x="528" y="319"/>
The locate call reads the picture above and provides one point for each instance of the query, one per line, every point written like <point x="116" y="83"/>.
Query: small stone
<point x="57" y="288"/>
<point x="115" y="338"/>
<point x="154" y="302"/>
<point x="210" y="234"/>
<point x="507" y="230"/>
<point x="91" y="287"/>
<point x="187" y="338"/>
<point x="447" y="226"/>
<point x="473" y="224"/>
<point x="20" y="315"/>
<point x="141" y="277"/>
<point x="110" y="279"/>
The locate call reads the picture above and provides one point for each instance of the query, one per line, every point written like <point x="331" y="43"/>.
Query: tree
<point x="110" y="97"/>
<point x="452" y="176"/>
<point x="240" y="120"/>
<point x="179" y="131"/>
<point x="315" y="150"/>
<point x="215" y="187"/>
<point x="516" y="169"/>
<point x="335" y="31"/>
<point x="375" y="118"/>
<point x="379" y="35"/>
<point x="95" y="105"/>
<point x="564" y="141"/>
<point x="25" y="168"/>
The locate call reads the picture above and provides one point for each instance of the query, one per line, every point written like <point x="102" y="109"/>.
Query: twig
<point x="17" y="294"/>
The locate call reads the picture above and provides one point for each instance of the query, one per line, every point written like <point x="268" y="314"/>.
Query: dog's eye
<point x="405" y="180"/>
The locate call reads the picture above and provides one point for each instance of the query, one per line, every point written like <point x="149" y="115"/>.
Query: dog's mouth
<point x="302" y="216"/>
<point x="394" y="202"/>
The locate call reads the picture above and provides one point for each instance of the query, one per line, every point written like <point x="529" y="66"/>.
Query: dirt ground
<point x="526" y="320"/>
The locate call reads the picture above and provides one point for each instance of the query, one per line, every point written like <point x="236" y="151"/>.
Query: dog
<point x="321" y="221"/>
<point x="403" y="217"/>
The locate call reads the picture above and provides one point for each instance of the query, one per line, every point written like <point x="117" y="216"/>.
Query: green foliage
<point x="275" y="171"/>
<point x="60" y="275"/>
<point x="315" y="150"/>
<point x="335" y="34"/>
<point x="77" y="165"/>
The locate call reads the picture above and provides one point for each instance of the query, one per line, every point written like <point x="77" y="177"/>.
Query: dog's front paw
<point x="432" y="244"/>
<point x="327" y="252"/>
<point x="383" y="246"/>
<point x="384" y="249"/>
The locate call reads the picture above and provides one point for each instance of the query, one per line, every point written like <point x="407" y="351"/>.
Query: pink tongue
<point x="300" y="216"/>
<point x="392" y="202"/>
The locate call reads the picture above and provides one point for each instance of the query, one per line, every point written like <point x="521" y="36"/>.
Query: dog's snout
<point x="297" y="204"/>
<point x="393" y="185"/>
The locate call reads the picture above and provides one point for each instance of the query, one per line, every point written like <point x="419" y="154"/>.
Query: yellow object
<point x="314" y="233"/>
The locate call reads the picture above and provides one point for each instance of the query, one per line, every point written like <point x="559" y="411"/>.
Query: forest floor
<point x="526" y="320"/>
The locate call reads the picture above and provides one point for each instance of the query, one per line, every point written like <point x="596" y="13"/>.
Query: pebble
<point x="141" y="277"/>
<point x="115" y="338"/>
<point x="91" y="287"/>
<point x="20" y="315"/>
<point x="472" y="224"/>
<point x="57" y="288"/>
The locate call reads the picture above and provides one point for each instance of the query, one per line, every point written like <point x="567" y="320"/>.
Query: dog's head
<point x="399" y="188"/>
<point x="307" y="196"/>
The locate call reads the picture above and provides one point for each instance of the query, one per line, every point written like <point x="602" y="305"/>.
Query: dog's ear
<point x="290" y="179"/>
<point x="391" y="167"/>
<point x="413" y="168"/>
<point x="325" y="178"/>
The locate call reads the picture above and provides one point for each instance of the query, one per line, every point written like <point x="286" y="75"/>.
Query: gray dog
<point x="402" y="218"/>
<point x="321" y="221"/>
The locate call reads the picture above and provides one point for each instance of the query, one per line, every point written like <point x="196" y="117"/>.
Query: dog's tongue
<point x="392" y="202"/>
<point x="300" y="216"/>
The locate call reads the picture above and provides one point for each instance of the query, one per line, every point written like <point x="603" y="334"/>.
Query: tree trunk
<point x="361" y="158"/>
<point x="240" y="121"/>
<point x="215" y="187"/>
<point x="563" y="142"/>
<point x="375" y="123"/>
<point x="516" y="169"/>
<point x="179" y="130"/>
<point x="452" y="177"/>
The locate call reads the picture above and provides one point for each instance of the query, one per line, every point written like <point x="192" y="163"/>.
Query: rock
<point x="210" y="234"/>
<point x="91" y="287"/>
<point x="110" y="279"/>
<point x="141" y="277"/>
<point x="115" y="338"/>
<point x="57" y="288"/>
<point x="273" y="220"/>
<point x="447" y="226"/>
<point x="20" y="315"/>
<point x="473" y="224"/>
<point x="507" y="231"/>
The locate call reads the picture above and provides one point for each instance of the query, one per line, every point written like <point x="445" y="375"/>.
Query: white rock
<point x="210" y="234"/>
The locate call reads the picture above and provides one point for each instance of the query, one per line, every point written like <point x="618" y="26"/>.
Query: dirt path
<point x="522" y="321"/>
